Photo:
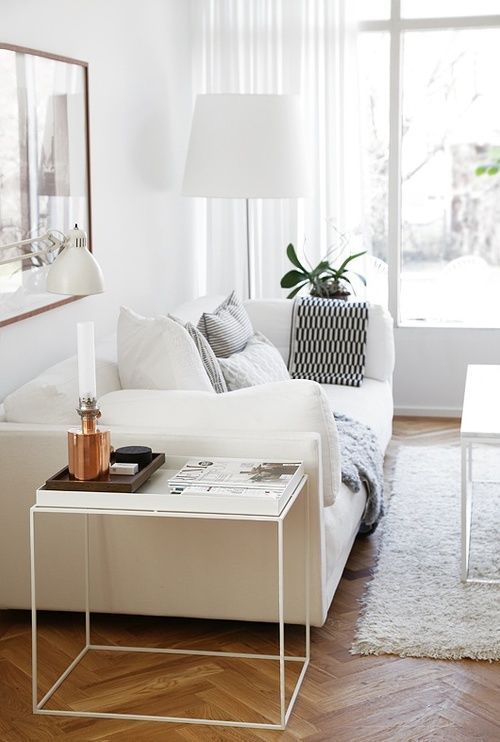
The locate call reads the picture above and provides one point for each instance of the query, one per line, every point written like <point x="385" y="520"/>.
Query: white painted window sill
<point x="434" y="325"/>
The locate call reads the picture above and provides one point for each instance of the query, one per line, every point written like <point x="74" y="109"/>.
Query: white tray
<point x="155" y="495"/>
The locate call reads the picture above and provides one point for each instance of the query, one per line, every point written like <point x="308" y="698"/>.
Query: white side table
<point x="126" y="509"/>
<point x="480" y="424"/>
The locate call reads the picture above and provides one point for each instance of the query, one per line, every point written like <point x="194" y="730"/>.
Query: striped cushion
<point x="208" y="358"/>
<point x="328" y="340"/>
<point x="228" y="329"/>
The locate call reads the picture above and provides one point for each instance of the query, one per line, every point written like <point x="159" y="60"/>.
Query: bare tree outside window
<point x="450" y="261"/>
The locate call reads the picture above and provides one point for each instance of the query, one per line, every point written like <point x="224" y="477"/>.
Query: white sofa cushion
<point x="52" y="397"/>
<point x="272" y="317"/>
<point x="293" y="406"/>
<point x="371" y="403"/>
<point x="259" y="363"/>
<point x="158" y="353"/>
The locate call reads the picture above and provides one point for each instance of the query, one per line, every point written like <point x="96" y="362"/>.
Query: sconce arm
<point x="55" y="244"/>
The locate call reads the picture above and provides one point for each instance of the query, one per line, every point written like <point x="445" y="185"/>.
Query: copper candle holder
<point x="89" y="448"/>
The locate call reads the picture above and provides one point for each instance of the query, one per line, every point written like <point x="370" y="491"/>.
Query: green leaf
<point x="346" y="262"/>
<point x="322" y="267"/>
<point x="292" y="278"/>
<point x="332" y="271"/>
<point x="296" y="290"/>
<point x="292" y="257"/>
<point x="493" y="169"/>
<point x="481" y="170"/>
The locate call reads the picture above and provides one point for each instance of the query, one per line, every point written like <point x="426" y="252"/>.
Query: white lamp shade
<point x="76" y="272"/>
<point x="246" y="146"/>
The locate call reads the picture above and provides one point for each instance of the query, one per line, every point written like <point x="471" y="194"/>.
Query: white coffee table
<point x="480" y="424"/>
<point x="146" y="503"/>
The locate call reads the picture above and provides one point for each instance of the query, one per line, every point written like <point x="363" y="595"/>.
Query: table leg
<point x="87" y="582"/>
<point x="466" y="506"/>
<point x="281" y="617"/>
<point x="307" y="543"/>
<point x="34" y="644"/>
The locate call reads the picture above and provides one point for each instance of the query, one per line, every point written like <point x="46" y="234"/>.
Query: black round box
<point x="141" y="455"/>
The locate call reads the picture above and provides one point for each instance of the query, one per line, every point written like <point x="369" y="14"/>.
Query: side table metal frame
<point x="285" y="710"/>
<point x="467" y="444"/>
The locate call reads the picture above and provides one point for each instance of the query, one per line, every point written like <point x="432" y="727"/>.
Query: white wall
<point x="431" y="364"/>
<point x="140" y="110"/>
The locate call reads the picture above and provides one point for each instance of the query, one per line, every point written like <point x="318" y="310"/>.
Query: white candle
<point x="86" y="360"/>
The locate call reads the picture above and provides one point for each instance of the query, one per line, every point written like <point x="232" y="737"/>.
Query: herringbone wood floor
<point x="344" y="698"/>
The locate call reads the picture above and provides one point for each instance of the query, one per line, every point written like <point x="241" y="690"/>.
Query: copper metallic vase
<point x="89" y="448"/>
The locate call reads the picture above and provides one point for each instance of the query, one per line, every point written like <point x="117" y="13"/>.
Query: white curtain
<point x="301" y="47"/>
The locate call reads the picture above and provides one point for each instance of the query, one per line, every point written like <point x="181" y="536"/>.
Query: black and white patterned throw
<point x="328" y="339"/>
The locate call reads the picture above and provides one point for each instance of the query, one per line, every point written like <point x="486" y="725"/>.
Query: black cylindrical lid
<point x="141" y="455"/>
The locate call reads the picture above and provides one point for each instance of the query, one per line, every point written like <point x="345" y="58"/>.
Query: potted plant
<point x="492" y="167"/>
<point x="324" y="280"/>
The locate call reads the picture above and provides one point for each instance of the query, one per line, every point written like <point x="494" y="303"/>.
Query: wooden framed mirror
<point x="44" y="168"/>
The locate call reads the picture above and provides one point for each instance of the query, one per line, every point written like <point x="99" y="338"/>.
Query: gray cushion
<point x="228" y="329"/>
<point x="208" y="358"/>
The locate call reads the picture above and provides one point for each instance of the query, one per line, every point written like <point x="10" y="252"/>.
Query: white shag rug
<point x="416" y="605"/>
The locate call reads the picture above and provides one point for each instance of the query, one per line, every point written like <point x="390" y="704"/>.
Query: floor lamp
<point x="246" y="146"/>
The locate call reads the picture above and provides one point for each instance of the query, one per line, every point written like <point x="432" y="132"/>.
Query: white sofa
<point x="214" y="570"/>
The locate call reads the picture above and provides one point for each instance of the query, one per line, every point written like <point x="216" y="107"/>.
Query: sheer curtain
<point x="303" y="47"/>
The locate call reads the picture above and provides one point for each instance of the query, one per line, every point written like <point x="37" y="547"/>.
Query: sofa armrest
<point x="267" y="409"/>
<point x="380" y="355"/>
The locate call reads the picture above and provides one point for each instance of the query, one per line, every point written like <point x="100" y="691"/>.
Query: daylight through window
<point x="448" y="205"/>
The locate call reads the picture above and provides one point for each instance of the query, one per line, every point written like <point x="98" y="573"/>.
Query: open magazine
<point x="218" y="476"/>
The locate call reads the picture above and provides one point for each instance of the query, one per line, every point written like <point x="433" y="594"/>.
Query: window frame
<point x="396" y="26"/>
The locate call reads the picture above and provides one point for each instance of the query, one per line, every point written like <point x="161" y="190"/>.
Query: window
<point x="430" y="215"/>
<point x="373" y="55"/>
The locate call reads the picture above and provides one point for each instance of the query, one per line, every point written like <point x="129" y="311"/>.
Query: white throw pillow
<point x="157" y="353"/>
<point x="259" y="363"/>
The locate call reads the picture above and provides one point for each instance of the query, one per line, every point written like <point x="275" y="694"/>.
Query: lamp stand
<point x="249" y="257"/>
